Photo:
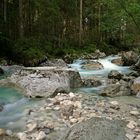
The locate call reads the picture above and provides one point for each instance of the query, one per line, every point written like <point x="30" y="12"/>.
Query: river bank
<point x="56" y="118"/>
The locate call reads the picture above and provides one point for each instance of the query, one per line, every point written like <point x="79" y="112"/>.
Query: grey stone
<point x="45" y="81"/>
<point x="97" y="129"/>
<point x="129" y="58"/>
<point x="114" y="74"/>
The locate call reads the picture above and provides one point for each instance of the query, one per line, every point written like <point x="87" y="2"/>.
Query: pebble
<point x="132" y="124"/>
<point x="2" y="132"/>
<point x="41" y="136"/>
<point x="130" y="136"/>
<point x="73" y="120"/>
<point x="57" y="108"/>
<point x="22" y="136"/>
<point x="31" y="126"/>
<point x="138" y="137"/>
<point x="71" y="95"/>
<point x="134" y="112"/>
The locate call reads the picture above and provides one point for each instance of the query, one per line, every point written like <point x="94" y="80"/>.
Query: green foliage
<point x="28" y="51"/>
<point x="51" y="27"/>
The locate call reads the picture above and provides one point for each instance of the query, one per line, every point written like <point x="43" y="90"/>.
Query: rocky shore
<point x="66" y="115"/>
<point x="63" y="116"/>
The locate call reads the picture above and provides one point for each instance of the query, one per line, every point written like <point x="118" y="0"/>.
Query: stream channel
<point x="13" y="115"/>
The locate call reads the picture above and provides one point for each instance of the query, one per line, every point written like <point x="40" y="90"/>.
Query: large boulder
<point x="54" y="63"/>
<point x="115" y="90"/>
<point x="129" y="58"/>
<point x="114" y="74"/>
<point x="92" y="65"/>
<point x="45" y="81"/>
<point x="135" y="86"/>
<point x="137" y="65"/>
<point x="97" y="129"/>
<point x="118" y="61"/>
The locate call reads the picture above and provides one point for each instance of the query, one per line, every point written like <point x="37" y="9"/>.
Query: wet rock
<point x="41" y="136"/>
<point x="99" y="54"/>
<point x="54" y="63"/>
<point x="22" y="136"/>
<point x="97" y="129"/>
<point x="138" y="137"/>
<point x="92" y="65"/>
<point x="2" y="132"/>
<point x="138" y="95"/>
<point x="118" y="62"/>
<point x="132" y="124"/>
<point x="67" y="111"/>
<point x="130" y="136"/>
<point x="9" y="138"/>
<point x="46" y="81"/>
<point x="71" y="95"/>
<point x="115" y="90"/>
<point x="1" y="71"/>
<point x="129" y="58"/>
<point x="135" y="87"/>
<point x="134" y="112"/>
<point x="114" y="74"/>
<point x="1" y="107"/>
<point x="32" y="126"/>
<point x="91" y="82"/>
<point x="137" y="65"/>
<point x="115" y="105"/>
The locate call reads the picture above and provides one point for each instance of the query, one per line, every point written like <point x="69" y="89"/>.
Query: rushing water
<point x="102" y="73"/>
<point x="15" y="105"/>
<point x="13" y="115"/>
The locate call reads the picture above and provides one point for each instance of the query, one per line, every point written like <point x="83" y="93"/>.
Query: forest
<point x="30" y="30"/>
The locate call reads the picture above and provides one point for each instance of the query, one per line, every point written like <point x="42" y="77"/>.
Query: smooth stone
<point x="22" y="136"/>
<point x="31" y="126"/>
<point x="2" y="132"/>
<point x="130" y="136"/>
<point x="134" y="112"/>
<point x="41" y="136"/>
<point x="132" y="124"/>
<point x="96" y="129"/>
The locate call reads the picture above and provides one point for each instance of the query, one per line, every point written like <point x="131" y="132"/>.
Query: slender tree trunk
<point x="21" y="26"/>
<point x="81" y="24"/>
<point x="5" y="11"/>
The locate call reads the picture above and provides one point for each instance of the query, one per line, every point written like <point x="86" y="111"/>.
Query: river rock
<point x="55" y="63"/>
<point x="91" y="82"/>
<point x="1" y="71"/>
<point x="129" y="58"/>
<point x="92" y="65"/>
<point x="2" y="132"/>
<point x="1" y="107"/>
<point x="98" y="54"/>
<point x="132" y="124"/>
<point x="137" y="65"/>
<point x="67" y="111"/>
<point x="22" y="136"/>
<point x="135" y="87"/>
<point x="41" y="136"/>
<point x="114" y="74"/>
<point x="134" y="112"/>
<point x="45" y="81"/>
<point x="115" y="90"/>
<point x="138" y="95"/>
<point x="118" y="61"/>
<point x="97" y="129"/>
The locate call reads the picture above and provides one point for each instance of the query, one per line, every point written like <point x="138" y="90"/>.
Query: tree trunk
<point x="5" y="11"/>
<point x="81" y="24"/>
<point x="21" y="26"/>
